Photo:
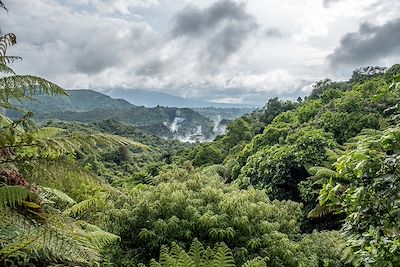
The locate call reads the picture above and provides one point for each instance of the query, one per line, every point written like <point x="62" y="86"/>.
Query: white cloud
<point x="127" y="43"/>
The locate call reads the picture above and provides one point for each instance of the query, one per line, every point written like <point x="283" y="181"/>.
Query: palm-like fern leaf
<point x="196" y="252"/>
<point x="51" y="192"/>
<point x="6" y="40"/>
<point x="85" y="205"/>
<point x="24" y="87"/>
<point x="13" y="195"/>
<point x="257" y="262"/>
<point x="55" y="239"/>
<point x="2" y="5"/>
<point x="6" y="69"/>
<point x="320" y="211"/>
<point x="9" y="59"/>
<point x="223" y="257"/>
<point x="322" y="172"/>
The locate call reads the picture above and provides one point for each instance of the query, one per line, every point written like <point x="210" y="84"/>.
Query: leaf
<point x="13" y="195"/>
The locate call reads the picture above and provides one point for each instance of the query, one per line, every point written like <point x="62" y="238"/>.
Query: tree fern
<point x="198" y="256"/>
<point x="2" y="5"/>
<point x="223" y="257"/>
<point x="257" y="262"/>
<point x="24" y="87"/>
<point x="61" y="196"/>
<point x="85" y="205"/>
<point x="196" y="252"/>
<point x="44" y="236"/>
<point x="322" y="172"/>
<point x="320" y="211"/>
<point x="13" y="196"/>
<point x="54" y="239"/>
<point x="6" y="40"/>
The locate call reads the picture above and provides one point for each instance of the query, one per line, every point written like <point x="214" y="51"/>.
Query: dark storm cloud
<point x="223" y="27"/>
<point x="369" y="44"/>
<point x="194" y="21"/>
<point x="227" y="41"/>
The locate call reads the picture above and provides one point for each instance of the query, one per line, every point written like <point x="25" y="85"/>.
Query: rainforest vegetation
<point x="314" y="182"/>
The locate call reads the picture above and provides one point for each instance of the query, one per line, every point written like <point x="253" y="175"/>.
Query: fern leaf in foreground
<point x="85" y="205"/>
<point x="223" y="257"/>
<point x="198" y="256"/>
<point x="13" y="195"/>
<point x="319" y="211"/>
<point x="49" y="192"/>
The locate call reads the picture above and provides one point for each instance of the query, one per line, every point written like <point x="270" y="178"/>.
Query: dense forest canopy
<point x="307" y="183"/>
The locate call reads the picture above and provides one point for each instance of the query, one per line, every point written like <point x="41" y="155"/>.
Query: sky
<point x="231" y="51"/>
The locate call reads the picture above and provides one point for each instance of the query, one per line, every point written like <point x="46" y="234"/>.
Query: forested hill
<point x="76" y="101"/>
<point x="178" y="123"/>
<point x="90" y="106"/>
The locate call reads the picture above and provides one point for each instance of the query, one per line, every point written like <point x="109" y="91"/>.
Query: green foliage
<point x="184" y="205"/>
<point x="221" y="255"/>
<point x="281" y="167"/>
<point x="156" y="121"/>
<point x="365" y="187"/>
<point x="206" y="155"/>
<point x="198" y="256"/>
<point x="360" y="75"/>
<point x="27" y="241"/>
<point x="13" y="196"/>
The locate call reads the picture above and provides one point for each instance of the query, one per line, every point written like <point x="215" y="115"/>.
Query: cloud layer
<point x="369" y="45"/>
<point x="220" y="50"/>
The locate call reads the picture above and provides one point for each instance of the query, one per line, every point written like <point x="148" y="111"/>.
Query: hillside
<point x="179" y="123"/>
<point x="90" y="106"/>
<point x="77" y="101"/>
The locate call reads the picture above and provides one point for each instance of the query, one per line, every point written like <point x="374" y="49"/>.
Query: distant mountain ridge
<point x="77" y="101"/>
<point x="146" y="98"/>
<point x="161" y="121"/>
<point x="90" y="106"/>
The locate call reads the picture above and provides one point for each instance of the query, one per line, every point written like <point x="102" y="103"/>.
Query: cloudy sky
<point x="236" y="51"/>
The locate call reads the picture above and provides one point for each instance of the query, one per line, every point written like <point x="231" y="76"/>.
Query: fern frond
<point x="153" y="263"/>
<point x="6" y="40"/>
<point x="6" y="69"/>
<point x="196" y="252"/>
<point x="13" y="195"/>
<point x="97" y="237"/>
<point x="24" y="87"/>
<point x="46" y="132"/>
<point x="319" y="211"/>
<point x="184" y="260"/>
<point x="56" y="239"/>
<point x="85" y="205"/>
<point x="322" y="172"/>
<point x="100" y="239"/>
<point x="223" y="257"/>
<point x="9" y="59"/>
<point x="9" y="249"/>
<point x="47" y="192"/>
<point x="257" y="262"/>
<point x="3" y="6"/>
